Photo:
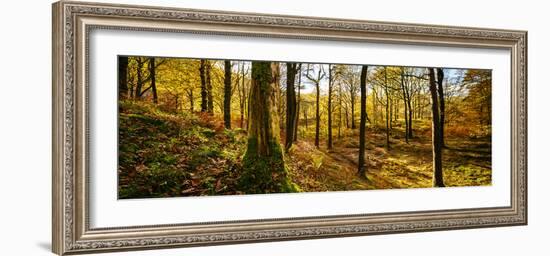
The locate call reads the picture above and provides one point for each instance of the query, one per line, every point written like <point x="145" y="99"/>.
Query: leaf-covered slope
<point x="162" y="154"/>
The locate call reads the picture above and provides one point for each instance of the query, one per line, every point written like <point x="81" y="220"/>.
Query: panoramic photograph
<point x="207" y="127"/>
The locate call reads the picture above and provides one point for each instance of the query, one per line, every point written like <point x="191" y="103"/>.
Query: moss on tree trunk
<point x="264" y="169"/>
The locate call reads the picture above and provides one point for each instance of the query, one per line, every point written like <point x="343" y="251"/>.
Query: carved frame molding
<point x="72" y="22"/>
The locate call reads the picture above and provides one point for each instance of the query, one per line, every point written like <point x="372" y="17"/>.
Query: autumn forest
<point x="193" y="127"/>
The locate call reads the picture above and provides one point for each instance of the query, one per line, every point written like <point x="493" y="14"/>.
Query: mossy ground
<point x="191" y="154"/>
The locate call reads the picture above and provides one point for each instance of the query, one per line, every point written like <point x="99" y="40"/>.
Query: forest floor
<point x="466" y="162"/>
<point x="164" y="155"/>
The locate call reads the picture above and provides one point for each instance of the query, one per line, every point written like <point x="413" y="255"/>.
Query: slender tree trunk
<point x="339" y="110"/>
<point x="405" y="106"/>
<point x="132" y="86"/>
<point x="395" y="109"/>
<point x="298" y="102"/>
<point x="227" y="95"/>
<point x="387" y="108"/>
<point x="347" y="117"/>
<point x="406" y="112"/>
<point x="362" y="140"/>
<point x="209" y="90"/>
<point x="139" y="74"/>
<point x="153" y="74"/>
<point x="480" y="115"/>
<point x="316" y="81"/>
<point x="352" y="114"/>
<point x="204" y="92"/>
<point x="305" y="117"/>
<point x="281" y="108"/>
<point x="367" y="116"/>
<point x="436" y="133"/>
<point x="410" y="115"/>
<point x="440" y="76"/>
<point x="374" y="106"/>
<point x="242" y="100"/>
<point x="122" y="77"/>
<point x="415" y="110"/>
<point x="317" y="113"/>
<point x="423" y="113"/>
<point x="290" y="104"/>
<point x="329" y="139"/>
<point x="191" y="101"/>
<point x="263" y="163"/>
<point x="419" y="108"/>
<point x="390" y="102"/>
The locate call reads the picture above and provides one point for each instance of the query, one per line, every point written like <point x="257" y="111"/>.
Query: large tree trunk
<point x="290" y="104"/>
<point x="329" y="139"/>
<point x="227" y="95"/>
<point x="153" y="74"/>
<point x="122" y="77"/>
<point x="436" y="133"/>
<point x="440" y="76"/>
<point x="263" y="163"/>
<point x="362" y="140"/>
<point x="204" y="93"/>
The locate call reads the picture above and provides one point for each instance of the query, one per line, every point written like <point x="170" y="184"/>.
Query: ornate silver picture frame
<point x="72" y="24"/>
